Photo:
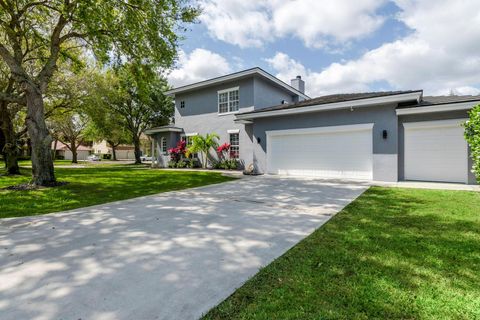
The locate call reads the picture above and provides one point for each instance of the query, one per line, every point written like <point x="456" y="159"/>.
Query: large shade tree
<point x="134" y="92"/>
<point x="35" y="34"/>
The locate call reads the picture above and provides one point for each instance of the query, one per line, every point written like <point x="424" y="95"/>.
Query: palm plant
<point x="202" y="145"/>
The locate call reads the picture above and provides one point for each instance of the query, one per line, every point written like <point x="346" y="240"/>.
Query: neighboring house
<point x="62" y="151"/>
<point x="123" y="151"/>
<point x="382" y="136"/>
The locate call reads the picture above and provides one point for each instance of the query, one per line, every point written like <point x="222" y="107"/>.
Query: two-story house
<point x="211" y="106"/>
<point x="382" y="136"/>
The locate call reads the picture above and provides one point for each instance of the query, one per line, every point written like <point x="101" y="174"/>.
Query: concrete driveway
<point x="168" y="256"/>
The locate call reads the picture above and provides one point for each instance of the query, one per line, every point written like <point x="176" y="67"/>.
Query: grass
<point x="391" y="254"/>
<point x="95" y="185"/>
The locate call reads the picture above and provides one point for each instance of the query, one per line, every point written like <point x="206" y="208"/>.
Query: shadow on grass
<point x="393" y="253"/>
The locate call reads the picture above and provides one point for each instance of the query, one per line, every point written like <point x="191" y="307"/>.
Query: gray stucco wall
<point x="427" y="117"/>
<point x="383" y="117"/>
<point x="266" y="95"/>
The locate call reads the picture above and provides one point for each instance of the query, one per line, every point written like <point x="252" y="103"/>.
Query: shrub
<point x="182" y="164"/>
<point x="472" y="135"/>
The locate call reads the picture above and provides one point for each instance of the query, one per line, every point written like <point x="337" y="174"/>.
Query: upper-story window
<point x="228" y="100"/>
<point x="182" y="104"/>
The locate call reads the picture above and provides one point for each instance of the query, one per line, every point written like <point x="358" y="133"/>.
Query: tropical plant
<point x="472" y="135"/>
<point x="202" y="145"/>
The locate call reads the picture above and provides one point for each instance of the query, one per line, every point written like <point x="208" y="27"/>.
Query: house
<point x="122" y="152"/>
<point x="63" y="152"/>
<point x="381" y="136"/>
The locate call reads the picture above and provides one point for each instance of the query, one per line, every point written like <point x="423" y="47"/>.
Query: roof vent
<point x="298" y="84"/>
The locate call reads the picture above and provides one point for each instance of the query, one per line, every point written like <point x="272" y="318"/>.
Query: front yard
<point x="391" y="254"/>
<point x="95" y="185"/>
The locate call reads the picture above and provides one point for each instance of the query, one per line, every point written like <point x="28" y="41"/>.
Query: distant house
<point x="63" y="152"/>
<point x="123" y="151"/>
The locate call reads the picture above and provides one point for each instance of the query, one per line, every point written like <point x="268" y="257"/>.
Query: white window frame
<point x="229" y="111"/>
<point x="163" y="145"/>
<point x="236" y="146"/>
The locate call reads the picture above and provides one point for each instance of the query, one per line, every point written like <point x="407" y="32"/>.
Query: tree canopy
<point x="472" y="135"/>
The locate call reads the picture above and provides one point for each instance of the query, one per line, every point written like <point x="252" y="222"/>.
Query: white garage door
<point x="436" y="151"/>
<point x="331" y="152"/>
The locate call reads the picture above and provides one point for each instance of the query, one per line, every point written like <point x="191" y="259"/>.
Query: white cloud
<point x="317" y="23"/>
<point x="440" y="55"/>
<point x="199" y="65"/>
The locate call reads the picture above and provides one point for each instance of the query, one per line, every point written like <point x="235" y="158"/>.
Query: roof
<point x="336" y="101"/>
<point x="235" y="76"/>
<point x="431" y="100"/>
<point x="167" y="128"/>
<point x="63" y="146"/>
<point x="431" y="104"/>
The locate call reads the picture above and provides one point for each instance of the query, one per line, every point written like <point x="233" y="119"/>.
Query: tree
<point x="35" y="34"/>
<point x="134" y="91"/>
<point x="69" y="127"/>
<point x="203" y="144"/>
<point x="472" y="135"/>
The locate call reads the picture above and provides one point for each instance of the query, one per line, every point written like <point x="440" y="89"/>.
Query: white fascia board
<point x="328" y="129"/>
<point x="233" y="131"/>
<point x="336" y="106"/>
<point x="153" y="131"/>
<point x="434" y="124"/>
<point x="234" y="76"/>
<point x="438" y="108"/>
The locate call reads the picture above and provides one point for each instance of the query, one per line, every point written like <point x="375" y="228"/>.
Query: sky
<point x="338" y="46"/>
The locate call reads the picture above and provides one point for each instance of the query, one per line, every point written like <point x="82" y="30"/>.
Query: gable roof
<point x="336" y="101"/>
<point x="235" y="76"/>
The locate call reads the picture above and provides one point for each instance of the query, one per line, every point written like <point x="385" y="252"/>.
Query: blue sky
<point x="339" y="45"/>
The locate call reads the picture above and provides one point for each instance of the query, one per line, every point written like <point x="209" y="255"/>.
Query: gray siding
<point x="426" y="117"/>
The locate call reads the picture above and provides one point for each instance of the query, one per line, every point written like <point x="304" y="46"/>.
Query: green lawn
<point x="95" y="185"/>
<point x="391" y="254"/>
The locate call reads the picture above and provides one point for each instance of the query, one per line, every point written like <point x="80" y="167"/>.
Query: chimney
<point x="298" y="84"/>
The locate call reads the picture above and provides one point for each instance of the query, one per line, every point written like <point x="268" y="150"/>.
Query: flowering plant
<point x="178" y="151"/>
<point x="223" y="149"/>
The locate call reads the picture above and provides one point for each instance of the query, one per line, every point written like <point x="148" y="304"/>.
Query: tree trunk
<point x="73" y="149"/>
<point x="10" y="149"/>
<point x="54" y="151"/>
<point x="138" y="152"/>
<point x="114" y="150"/>
<point x="41" y="141"/>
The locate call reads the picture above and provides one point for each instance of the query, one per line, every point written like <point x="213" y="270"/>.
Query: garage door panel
<point x="436" y="151"/>
<point x="344" y="154"/>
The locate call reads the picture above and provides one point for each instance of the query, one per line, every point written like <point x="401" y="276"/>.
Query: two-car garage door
<point x="332" y="152"/>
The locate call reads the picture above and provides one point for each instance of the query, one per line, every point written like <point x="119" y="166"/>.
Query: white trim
<point x="234" y="76"/>
<point x="191" y="134"/>
<point x="434" y="123"/>
<point x="233" y="131"/>
<point x="336" y="106"/>
<point x="228" y="90"/>
<point x="227" y="113"/>
<point x="162" y="141"/>
<point x="438" y="108"/>
<point x="344" y="128"/>
<point x="153" y="131"/>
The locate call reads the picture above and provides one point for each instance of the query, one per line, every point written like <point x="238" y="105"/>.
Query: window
<point x="163" y="145"/>
<point x="234" y="145"/>
<point x="228" y="100"/>
<point x="182" y="104"/>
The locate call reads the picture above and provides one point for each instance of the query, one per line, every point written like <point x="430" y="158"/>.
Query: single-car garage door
<point x="436" y="151"/>
<point x="331" y="152"/>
